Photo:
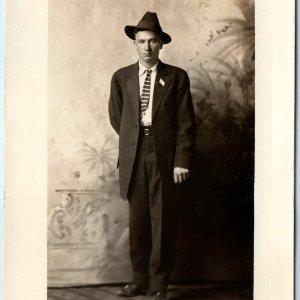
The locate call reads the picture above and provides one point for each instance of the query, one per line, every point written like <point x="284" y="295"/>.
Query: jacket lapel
<point x="162" y="82"/>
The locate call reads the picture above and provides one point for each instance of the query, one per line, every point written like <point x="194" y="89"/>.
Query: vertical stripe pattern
<point x="145" y="97"/>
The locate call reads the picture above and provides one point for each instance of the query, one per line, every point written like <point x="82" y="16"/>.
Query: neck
<point x="148" y="65"/>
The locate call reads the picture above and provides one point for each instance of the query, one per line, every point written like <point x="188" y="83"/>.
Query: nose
<point x="147" y="46"/>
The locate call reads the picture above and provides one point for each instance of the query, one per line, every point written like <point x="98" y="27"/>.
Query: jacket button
<point x="133" y="143"/>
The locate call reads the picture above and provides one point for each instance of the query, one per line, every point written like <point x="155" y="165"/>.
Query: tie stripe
<point x="145" y="97"/>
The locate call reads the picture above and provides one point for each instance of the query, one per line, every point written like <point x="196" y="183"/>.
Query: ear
<point x="161" y="45"/>
<point x="134" y="42"/>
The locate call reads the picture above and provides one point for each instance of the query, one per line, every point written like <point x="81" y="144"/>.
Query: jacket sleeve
<point x="115" y="104"/>
<point x="186" y="124"/>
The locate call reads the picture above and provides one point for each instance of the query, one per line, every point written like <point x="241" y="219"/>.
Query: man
<point x="151" y="109"/>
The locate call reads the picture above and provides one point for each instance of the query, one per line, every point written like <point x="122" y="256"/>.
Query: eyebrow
<point x="142" y="40"/>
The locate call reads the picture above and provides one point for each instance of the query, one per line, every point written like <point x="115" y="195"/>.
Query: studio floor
<point x="176" y="292"/>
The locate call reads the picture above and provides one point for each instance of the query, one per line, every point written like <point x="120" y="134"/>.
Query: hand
<point x="181" y="174"/>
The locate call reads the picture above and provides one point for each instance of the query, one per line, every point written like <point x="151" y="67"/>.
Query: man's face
<point x="148" y="44"/>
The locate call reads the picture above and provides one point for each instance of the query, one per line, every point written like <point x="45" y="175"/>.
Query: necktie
<point x="145" y="97"/>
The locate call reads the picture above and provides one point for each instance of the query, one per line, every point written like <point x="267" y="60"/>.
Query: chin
<point x="150" y="60"/>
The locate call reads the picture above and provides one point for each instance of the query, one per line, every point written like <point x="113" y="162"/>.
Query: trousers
<point x="152" y="221"/>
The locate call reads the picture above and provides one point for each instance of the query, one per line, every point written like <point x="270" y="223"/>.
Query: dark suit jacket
<point x="173" y="120"/>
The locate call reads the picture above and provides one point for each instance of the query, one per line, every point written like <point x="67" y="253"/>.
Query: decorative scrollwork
<point x="77" y="218"/>
<point x="57" y="226"/>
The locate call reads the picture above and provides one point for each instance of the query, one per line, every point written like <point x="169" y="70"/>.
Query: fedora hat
<point x="148" y="22"/>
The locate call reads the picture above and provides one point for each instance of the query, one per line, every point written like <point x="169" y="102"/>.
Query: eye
<point x="154" y="41"/>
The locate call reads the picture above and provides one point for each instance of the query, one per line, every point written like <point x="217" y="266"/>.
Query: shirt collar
<point x="143" y="69"/>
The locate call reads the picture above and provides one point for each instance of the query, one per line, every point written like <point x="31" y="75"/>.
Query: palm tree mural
<point x="223" y="93"/>
<point x="100" y="165"/>
<point x="100" y="162"/>
<point x="219" y="200"/>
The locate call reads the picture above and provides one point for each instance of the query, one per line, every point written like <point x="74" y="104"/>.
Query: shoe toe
<point x="160" y="296"/>
<point x="131" y="290"/>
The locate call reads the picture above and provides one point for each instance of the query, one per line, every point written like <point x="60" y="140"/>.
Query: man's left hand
<point x="181" y="175"/>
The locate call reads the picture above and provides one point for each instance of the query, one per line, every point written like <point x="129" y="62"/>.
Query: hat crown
<point x="150" y="20"/>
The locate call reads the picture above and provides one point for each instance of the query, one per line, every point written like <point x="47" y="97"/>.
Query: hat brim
<point x="129" y="30"/>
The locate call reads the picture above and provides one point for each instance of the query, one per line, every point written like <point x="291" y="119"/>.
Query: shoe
<point x="159" y="296"/>
<point x="132" y="290"/>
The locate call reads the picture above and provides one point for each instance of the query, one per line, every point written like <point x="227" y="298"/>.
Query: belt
<point x="146" y="130"/>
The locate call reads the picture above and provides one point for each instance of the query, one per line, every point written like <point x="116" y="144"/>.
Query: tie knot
<point x="149" y="72"/>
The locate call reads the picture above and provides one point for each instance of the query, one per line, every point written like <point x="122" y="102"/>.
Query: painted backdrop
<point x="87" y="221"/>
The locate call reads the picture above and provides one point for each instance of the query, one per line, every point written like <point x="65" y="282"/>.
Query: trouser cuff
<point x="140" y="279"/>
<point x="158" y="285"/>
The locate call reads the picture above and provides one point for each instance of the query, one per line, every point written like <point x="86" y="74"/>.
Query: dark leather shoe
<point x="132" y="290"/>
<point x="159" y="296"/>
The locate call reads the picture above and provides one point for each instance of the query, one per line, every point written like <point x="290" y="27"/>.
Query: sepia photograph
<point x="151" y="114"/>
<point x="149" y="150"/>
